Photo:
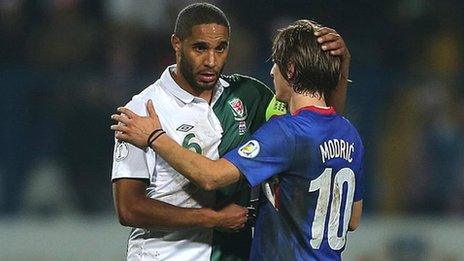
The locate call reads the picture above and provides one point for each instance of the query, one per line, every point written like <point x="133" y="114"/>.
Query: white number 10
<point x="323" y="184"/>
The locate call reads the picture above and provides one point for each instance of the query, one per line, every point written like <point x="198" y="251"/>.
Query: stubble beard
<point x="186" y="69"/>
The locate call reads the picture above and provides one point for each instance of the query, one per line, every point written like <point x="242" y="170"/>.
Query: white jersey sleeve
<point x="128" y="160"/>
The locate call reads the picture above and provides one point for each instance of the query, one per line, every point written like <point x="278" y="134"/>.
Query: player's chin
<point x="206" y="85"/>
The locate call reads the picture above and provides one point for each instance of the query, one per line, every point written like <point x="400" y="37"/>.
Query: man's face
<point x="202" y="55"/>
<point x="282" y="87"/>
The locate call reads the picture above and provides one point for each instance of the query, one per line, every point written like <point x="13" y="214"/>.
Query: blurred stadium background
<point x="65" y="65"/>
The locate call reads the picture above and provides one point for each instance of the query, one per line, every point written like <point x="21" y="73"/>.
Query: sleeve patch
<point x="121" y="151"/>
<point x="250" y="149"/>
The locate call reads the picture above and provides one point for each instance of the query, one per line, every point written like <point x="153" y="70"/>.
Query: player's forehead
<point x="210" y="33"/>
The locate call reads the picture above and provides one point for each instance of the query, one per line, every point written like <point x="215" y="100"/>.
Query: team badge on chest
<point x="238" y="109"/>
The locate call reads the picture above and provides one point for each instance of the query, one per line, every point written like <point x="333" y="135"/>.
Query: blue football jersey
<point x="317" y="157"/>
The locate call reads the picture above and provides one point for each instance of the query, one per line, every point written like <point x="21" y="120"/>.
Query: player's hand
<point x="332" y="42"/>
<point x="133" y="128"/>
<point x="232" y="218"/>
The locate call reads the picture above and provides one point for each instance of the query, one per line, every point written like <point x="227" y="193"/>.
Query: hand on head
<point x="332" y="42"/>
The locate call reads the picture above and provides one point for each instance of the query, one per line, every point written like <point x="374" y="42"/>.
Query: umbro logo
<point x="184" y="128"/>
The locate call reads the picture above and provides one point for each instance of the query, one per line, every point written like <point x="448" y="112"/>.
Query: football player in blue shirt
<point x="316" y="155"/>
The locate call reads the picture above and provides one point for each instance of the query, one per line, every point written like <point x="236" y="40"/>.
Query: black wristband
<point x="156" y="137"/>
<point x="153" y="133"/>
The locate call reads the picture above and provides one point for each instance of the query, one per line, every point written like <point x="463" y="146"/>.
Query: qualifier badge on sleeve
<point x="122" y="151"/>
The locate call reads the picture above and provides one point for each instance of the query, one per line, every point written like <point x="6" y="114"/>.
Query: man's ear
<point x="176" y="44"/>
<point x="290" y="71"/>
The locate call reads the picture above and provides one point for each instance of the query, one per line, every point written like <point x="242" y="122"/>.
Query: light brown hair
<point x="315" y="70"/>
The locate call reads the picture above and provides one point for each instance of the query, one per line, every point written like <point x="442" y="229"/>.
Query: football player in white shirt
<point x="171" y="217"/>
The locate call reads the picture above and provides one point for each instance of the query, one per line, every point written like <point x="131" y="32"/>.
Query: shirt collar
<point x="183" y="95"/>
<point x="316" y="109"/>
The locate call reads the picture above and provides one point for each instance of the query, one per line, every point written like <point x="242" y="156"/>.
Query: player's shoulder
<point x="352" y="128"/>
<point x="250" y="84"/>
<point x="310" y="121"/>
<point x="138" y="101"/>
<point x="281" y="124"/>
<point x="348" y="123"/>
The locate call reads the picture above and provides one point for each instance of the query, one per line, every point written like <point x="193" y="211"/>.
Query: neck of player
<point x="180" y="80"/>
<point x="298" y="101"/>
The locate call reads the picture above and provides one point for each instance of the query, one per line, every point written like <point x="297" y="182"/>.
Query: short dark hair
<point x="315" y="70"/>
<point x="198" y="13"/>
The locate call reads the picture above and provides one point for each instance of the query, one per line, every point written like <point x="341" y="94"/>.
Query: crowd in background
<point x="65" y="65"/>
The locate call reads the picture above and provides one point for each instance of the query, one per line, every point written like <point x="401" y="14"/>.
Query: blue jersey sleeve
<point x="268" y="152"/>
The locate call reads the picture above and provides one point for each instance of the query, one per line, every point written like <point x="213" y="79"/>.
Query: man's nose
<point x="211" y="59"/>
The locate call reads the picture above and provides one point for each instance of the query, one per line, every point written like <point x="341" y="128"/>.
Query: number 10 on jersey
<point x="325" y="188"/>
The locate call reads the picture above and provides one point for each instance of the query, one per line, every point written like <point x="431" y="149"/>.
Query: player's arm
<point x="135" y="209"/>
<point x="130" y="176"/>
<point x="356" y="213"/>
<point x="206" y="173"/>
<point x="332" y="42"/>
<point x="272" y="142"/>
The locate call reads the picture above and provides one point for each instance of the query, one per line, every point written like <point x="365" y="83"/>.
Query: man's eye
<point x="221" y="48"/>
<point x="200" y="48"/>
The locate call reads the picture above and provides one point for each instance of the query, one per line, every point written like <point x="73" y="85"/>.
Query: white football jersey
<point x="191" y="122"/>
